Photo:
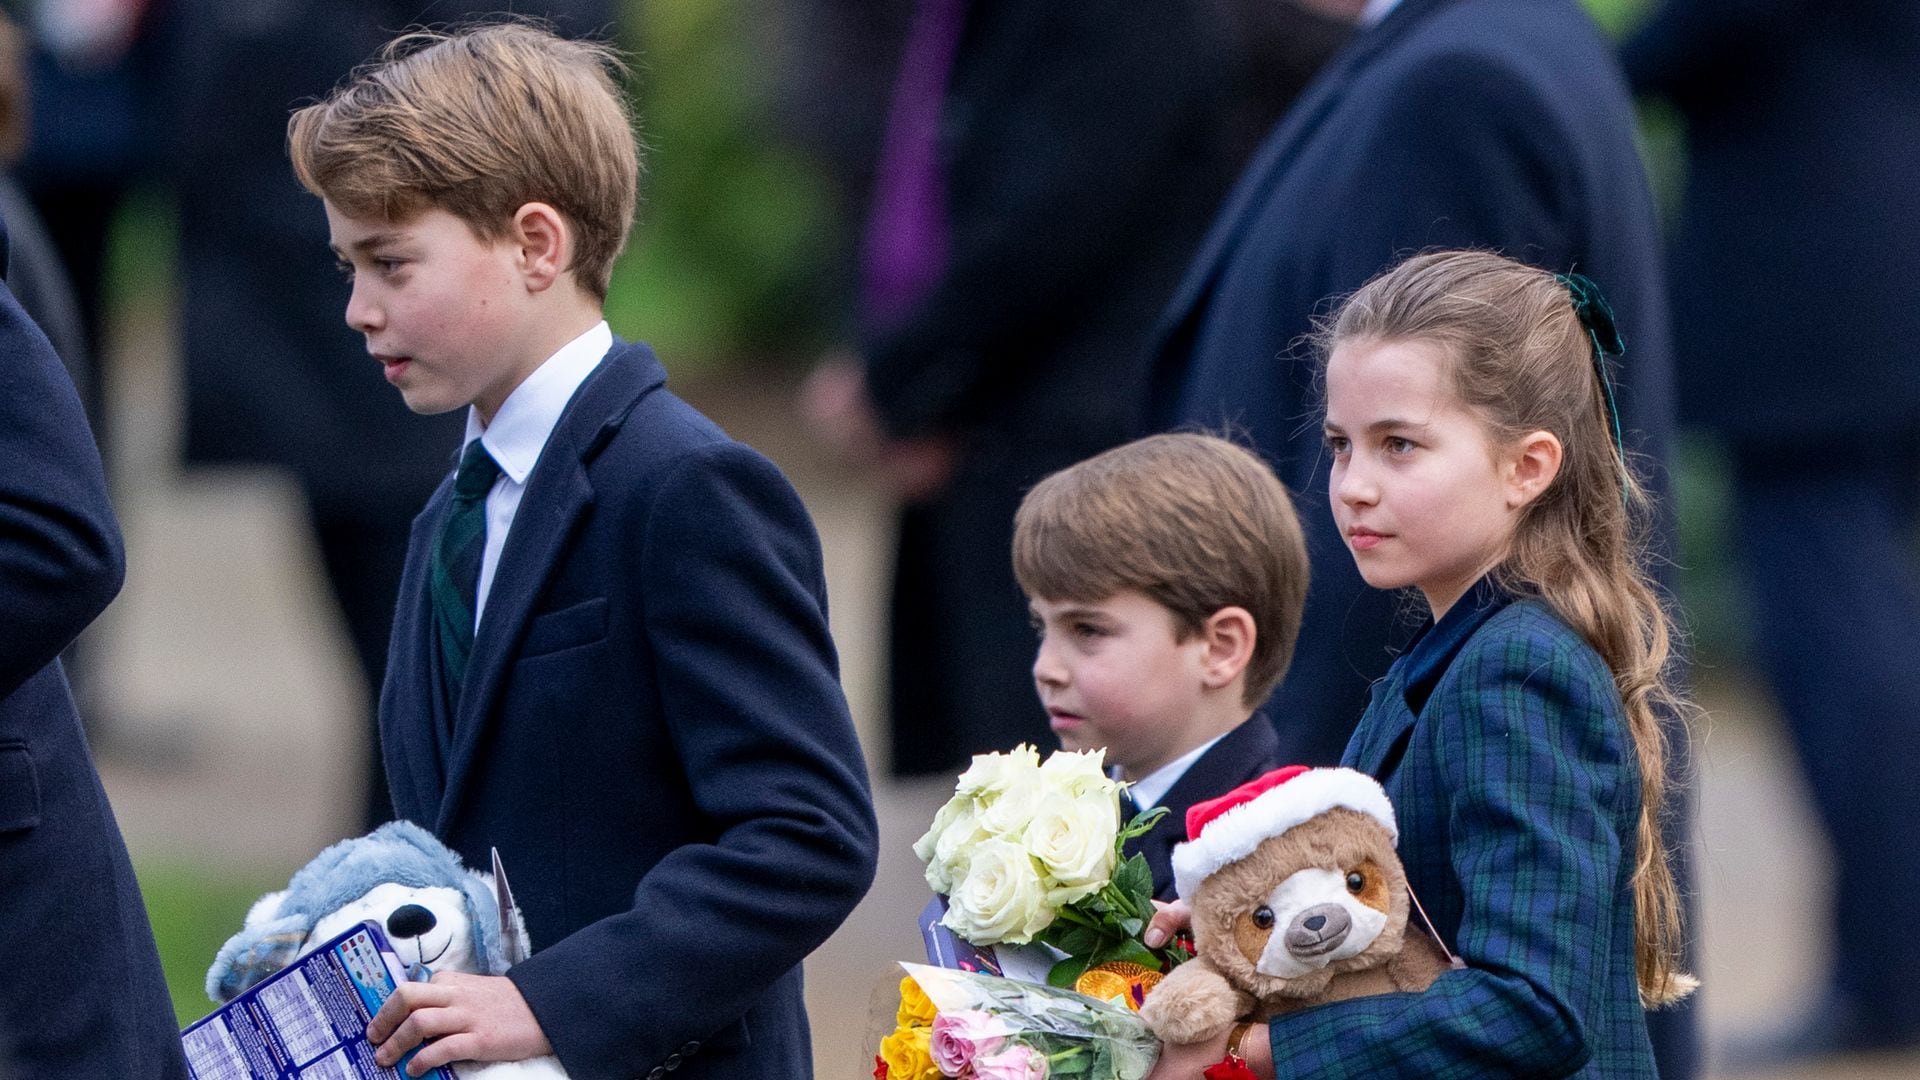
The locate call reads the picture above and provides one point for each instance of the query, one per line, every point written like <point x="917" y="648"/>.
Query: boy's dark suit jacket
<point x="652" y="732"/>
<point x="1248" y="751"/>
<point x="1453" y="123"/>
<point x="81" y="993"/>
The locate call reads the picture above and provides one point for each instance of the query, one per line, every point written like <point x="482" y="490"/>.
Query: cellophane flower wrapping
<point x="993" y="1028"/>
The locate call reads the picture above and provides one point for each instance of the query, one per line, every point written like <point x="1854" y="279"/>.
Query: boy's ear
<point x="1229" y="635"/>
<point x="1531" y="467"/>
<point x="545" y="240"/>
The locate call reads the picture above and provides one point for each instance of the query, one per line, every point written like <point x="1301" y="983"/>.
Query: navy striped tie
<point x="454" y="575"/>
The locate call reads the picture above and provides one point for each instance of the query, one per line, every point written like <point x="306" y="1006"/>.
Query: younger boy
<point x="1166" y="578"/>
<point x="610" y="657"/>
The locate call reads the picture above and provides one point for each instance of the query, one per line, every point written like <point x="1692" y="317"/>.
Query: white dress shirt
<point x="519" y="433"/>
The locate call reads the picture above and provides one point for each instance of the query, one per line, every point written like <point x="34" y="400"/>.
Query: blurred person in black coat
<point x="1502" y="124"/>
<point x="273" y="374"/>
<point x="1793" y="260"/>
<point x="1070" y="161"/>
<point x="83" y="994"/>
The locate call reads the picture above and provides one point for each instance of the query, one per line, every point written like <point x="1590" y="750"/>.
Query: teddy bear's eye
<point x="1356" y="881"/>
<point x="1263" y="917"/>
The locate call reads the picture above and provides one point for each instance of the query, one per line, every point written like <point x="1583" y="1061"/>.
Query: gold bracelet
<point x="1233" y="1040"/>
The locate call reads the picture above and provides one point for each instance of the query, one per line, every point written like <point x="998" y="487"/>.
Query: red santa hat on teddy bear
<point x="1227" y="829"/>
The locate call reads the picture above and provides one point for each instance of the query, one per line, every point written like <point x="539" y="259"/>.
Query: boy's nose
<point x="1047" y="669"/>
<point x="362" y="315"/>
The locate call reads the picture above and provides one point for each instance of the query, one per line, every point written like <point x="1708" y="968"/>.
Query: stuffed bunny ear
<point x="255" y="953"/>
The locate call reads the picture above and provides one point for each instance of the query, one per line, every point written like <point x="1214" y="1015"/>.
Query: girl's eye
<point x="1356" y="882"/>
<point x="1337" y="444"/>
<point x="1263" y="917"/>
<point x="388" y="266"/>
<point x="345" y="268"/>
<point x="1088" y="630"/>
<point x="1397" y="445"/>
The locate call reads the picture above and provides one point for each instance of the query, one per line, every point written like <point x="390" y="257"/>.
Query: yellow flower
<point x="916" y="1010"/>
<point x="909" y="1055"/>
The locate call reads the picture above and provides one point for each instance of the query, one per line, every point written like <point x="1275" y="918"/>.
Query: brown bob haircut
<point x="1194" y="522"/>
<point x="479" y="121"/>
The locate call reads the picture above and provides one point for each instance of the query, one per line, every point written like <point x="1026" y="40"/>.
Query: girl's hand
<point x="1169" y="920"/>
<point x="1188" y="1061"/>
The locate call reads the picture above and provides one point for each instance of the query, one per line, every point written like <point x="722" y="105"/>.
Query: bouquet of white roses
<point x="1028" y="851"/>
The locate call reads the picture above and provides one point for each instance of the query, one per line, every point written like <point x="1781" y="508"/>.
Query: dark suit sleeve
<point x="1535" y="797"/>
<point x="1068" y="157"/>
<point x="1465" y="155"/>
<point x="734" y="603"/>
<point x="60" y="555"/>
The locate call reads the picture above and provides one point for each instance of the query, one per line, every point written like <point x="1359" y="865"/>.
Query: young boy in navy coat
<point x="1166" y="578"/>
<point x="610" y="657"/>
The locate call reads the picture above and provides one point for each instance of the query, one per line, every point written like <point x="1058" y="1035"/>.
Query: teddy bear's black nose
<point x="410" y="921"/>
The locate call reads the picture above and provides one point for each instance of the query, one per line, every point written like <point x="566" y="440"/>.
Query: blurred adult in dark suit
<point x="274" y="376"/>
<point x="1501" y="124"/>
<point x="83" y="993"/>
<point x="1046" y="171"/>
<point x="1793" y="260"/>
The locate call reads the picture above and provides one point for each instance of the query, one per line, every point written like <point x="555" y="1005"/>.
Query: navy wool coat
<point x="652" y="732"/>
<point x="82" y="994"/>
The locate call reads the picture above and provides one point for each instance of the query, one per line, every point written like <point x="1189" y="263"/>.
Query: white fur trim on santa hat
<point x="1235" y="833"/>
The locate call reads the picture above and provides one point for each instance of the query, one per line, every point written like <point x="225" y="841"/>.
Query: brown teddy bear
<point x="1298" y="899"/>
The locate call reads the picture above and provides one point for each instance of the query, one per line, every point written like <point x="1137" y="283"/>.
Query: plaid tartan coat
<point x="1503" y="744"/>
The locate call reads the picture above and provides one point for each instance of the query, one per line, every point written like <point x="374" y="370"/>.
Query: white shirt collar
<point x="520" y="429"/>
<point x="1376" y="10"/>
<point x="1151" y="788"/>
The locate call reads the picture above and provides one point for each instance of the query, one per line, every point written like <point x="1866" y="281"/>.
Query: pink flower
<point x="1014" y="1063"/>
<point x="960" y="1037"/>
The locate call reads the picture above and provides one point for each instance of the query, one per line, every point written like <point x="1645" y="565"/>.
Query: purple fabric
<point x="906" y="239"/>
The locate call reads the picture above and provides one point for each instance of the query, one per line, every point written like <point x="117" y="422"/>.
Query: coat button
<point x="673" y="1062"/>
<point x="657" y="1073"/>
<point x="692" y="1047"/>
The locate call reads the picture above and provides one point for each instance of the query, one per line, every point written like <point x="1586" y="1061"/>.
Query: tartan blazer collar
<point x="1436" y="644"/>
<point x="1399" y="697"/>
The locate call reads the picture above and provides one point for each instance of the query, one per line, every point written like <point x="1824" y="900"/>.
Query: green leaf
<point x="1140" y="825"/>
<point x="1134" y="880"/>
<point x="1067" y="971"/>
<point x="1133" y="952"/>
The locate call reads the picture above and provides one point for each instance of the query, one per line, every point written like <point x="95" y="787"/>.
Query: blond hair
<point x="1521" y="360"/>
<point x="1193" y="521"/>
<point x="479" y="121"/>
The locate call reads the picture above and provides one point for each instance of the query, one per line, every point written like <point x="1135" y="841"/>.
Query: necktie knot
<point x="477" y="473"/>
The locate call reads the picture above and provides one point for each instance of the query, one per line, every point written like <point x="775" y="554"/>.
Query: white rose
<point x="948" y="843"/>
<point x="1005" y="816"/>
<point x="993" y="773"/>
<point x="1073" y="840"/>
<point x="1000" y="899"/>
<point x="1078" y="772"/>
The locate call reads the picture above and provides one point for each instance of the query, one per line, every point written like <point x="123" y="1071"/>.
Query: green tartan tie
<point x="454" y="575"/>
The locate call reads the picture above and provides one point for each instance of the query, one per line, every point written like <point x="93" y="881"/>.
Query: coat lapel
<point x="558" y="496"/>
<point x="412" y="708"/>
<point x="1386" y="725"/>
